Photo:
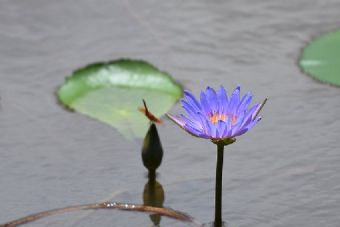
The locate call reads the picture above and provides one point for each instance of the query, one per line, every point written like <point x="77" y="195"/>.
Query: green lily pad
<point x="321" y="58"/>
<point x="112" y="92"/>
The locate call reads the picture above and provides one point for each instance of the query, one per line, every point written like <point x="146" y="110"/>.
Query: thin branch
<point x="261" y="106"/>
<point x="106" y="205"/>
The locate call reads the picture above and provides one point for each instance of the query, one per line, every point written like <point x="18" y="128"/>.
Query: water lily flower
<point x="220" y="119"/>
<point x="217" y="117"/>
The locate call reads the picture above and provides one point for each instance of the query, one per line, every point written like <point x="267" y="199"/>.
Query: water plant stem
<point x="106" y="205"/>
<point x="218" y="187"/>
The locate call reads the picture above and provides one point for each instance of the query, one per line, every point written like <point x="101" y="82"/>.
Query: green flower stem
<point x="218" y="188"/>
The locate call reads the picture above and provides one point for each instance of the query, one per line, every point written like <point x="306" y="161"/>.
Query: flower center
<point x="214" y="118"/>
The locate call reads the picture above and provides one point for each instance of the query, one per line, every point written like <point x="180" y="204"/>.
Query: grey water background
<point x="284" y="172"/>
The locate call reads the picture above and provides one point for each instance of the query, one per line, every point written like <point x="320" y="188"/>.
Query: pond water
<point x="284" y="172"/>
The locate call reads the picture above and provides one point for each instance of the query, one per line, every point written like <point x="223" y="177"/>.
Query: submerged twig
<point x="106" y="205"/>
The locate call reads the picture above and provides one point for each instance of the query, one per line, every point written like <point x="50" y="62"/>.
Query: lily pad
<point x="112" y="92"/>
<point x="321" y="58"/>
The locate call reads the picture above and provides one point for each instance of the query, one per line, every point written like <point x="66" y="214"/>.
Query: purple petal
<point x="240" y="132"/>
<point x="244" y="102"/>
<point x="249" y="116"/>
<point x="212" y="99"/>
<point x="209" y="128"/>
<point x="239" y="117"/>
<point x="212" y="130"/>
<point x="253" y="123"/>
<point x="223" y="100"/>
<point x="205" y="125"/>
<point x="246" y="127"/>
<point x="257" y="110"/>
<point x="205" y="104"/>
<point x="227" y="131"/>
<point x="239" y="122"/>
<point x="189" y="109"/>
<point x="192" y="123"/>
<point x="190" y="98"/>
<point x="177" y="120"/>
<point x="234" y="100"/>
<point x="221" y="125"/>
<point x="194" y="131"/>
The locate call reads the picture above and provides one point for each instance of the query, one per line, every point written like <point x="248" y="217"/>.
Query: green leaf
<point x="112" y="92"/>
<point x="321" y="58"/>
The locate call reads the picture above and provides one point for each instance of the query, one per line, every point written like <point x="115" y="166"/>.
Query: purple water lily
<point x="216" y="116"/>
<point x="220" y="119"/>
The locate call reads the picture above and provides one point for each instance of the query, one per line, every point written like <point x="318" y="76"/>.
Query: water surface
<point x="285" y="172"/>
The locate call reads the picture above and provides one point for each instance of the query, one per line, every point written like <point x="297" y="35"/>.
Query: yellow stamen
<point x="214" y="118"/>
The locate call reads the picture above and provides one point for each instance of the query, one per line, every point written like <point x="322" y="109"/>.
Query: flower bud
<point x="152" y="152"/>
